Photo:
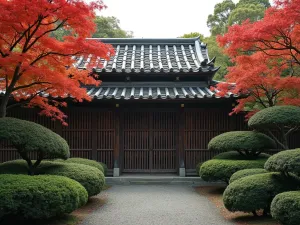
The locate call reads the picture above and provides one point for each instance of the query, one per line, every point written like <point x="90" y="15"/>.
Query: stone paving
<point x="155" y="205"/>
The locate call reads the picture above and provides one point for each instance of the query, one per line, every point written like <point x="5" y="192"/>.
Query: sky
<point x="161" y="18"/>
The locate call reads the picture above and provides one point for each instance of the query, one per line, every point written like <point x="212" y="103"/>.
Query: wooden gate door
<point x="149" y="142"/>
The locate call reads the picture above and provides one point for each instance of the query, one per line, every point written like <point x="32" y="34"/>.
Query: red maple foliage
<point x="34" y="65"/>
<point x="266" y="55"/>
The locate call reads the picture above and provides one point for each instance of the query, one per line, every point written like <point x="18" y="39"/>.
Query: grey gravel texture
<point x="155" y="205"/>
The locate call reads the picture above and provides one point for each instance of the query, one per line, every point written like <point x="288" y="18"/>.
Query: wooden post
<point x="94" y="135"/>
<point x="116" y="171"/>
<point x="181" y="142"/>
<point x="151" y="141"/>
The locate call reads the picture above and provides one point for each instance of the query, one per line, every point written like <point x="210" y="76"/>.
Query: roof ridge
<point x="147" y="40"/>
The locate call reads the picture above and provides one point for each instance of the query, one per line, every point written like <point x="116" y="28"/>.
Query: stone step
<point x="157" y="180"/>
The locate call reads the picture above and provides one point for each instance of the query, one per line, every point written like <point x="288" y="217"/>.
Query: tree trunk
<point x="3" y="105"/>
<point x="31" y="170"/>
<point x="9" y="90"/>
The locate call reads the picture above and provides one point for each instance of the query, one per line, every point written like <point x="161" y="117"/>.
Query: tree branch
<point x="275" y="139"/>
<point x="30" y="85"/>
<point x="28" y="99"/>
<point x="291" y="130"/>
<point x="43" y="34"/>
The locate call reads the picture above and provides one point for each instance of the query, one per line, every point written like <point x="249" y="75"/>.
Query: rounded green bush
<point x="222" y="169"/>
<point x="14" y="167"/>
<point x="246" y="172"/>
<point x="285" y="161"/>
<point x="91" y="178"/>
<point x="28" y="136"/>
<point x="285" y="207"/>
<point x="274" y="116"/>
<point x="83" y="161"/>
<point x="256" y="192"/>
<point x="39" y="197"/>
<point x="248" y="142"/>
<point x="233" y="155"/>
<point x="105" y="168"/>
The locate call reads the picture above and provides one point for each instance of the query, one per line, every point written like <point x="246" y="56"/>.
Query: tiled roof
<point x="138" y="55"/>
<point x="152" y="90"/>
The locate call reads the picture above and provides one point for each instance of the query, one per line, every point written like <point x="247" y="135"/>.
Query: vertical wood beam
<point x="117" y="140"/>
<point x="181" y="139"/>
<point x="94" y="135"/>
<point x="120" y="141"/>
<point x="150" y="130"/>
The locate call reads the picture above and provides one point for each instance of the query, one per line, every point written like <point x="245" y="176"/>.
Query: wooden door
<point x="149" y="143"/>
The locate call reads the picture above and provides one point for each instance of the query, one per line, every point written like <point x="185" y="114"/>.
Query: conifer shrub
<point x="285" y="207"/>
<point x="18" y="166"/>
<point x="39" y="197"/>
<point x="91" y="178"/>
<point x="285" y="162"/>
<point x="270" y="118"/>
<point x="256" y="192"/>
<point x="223" y="169"/>
<point x="277" y="120"/>
<point x="233" y="155"/>
<point x="246" y="172"/>
<point x="247" y="143"/>
<point x="83" y="161"/>
<point x="105" y="168"/>
<point x="29" y="137"/>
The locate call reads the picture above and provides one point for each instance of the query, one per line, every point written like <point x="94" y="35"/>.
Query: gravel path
<point x="155" y="205"/>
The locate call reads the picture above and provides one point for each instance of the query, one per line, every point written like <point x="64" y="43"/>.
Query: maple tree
<point x="266" y="57"/>
<point x="35" y="68"/>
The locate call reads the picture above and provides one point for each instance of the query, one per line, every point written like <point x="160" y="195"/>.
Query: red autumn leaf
<point x="266" y="55"/>
<point x="31" y="61"/>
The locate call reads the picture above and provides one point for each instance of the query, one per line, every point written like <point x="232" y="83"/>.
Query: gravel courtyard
<point x="155" y="205"/>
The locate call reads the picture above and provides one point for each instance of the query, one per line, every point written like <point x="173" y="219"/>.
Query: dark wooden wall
<point x="139" y="140"/>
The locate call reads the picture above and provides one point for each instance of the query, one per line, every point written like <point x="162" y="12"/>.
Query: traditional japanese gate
<point x="149" y="141"/>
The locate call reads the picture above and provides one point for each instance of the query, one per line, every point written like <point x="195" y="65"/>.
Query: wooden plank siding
<point x="139" y="140"/>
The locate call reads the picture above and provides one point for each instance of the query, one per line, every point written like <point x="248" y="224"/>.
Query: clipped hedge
<point x="39" y="197"/>
<point x="28" y="136"/>
<point x="233" y="155"/>
<point x="83" y="161"/>
<point x="246" y="172"/>
<point x="245" y="142"/>
<point x="271" y="117"/>
<point x="222" y="166"/>
<point x="222" y="170"/>
<point x="105" y="168"/>
<point x="256" y="192"/>
<point x="285" y="161"/>
<point x="92" y="179"/>
<point x="14" y="167"/>
<point x="285" y="207"/>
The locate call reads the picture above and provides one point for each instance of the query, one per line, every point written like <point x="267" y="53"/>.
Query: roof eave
<point x="146" y="40"/>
